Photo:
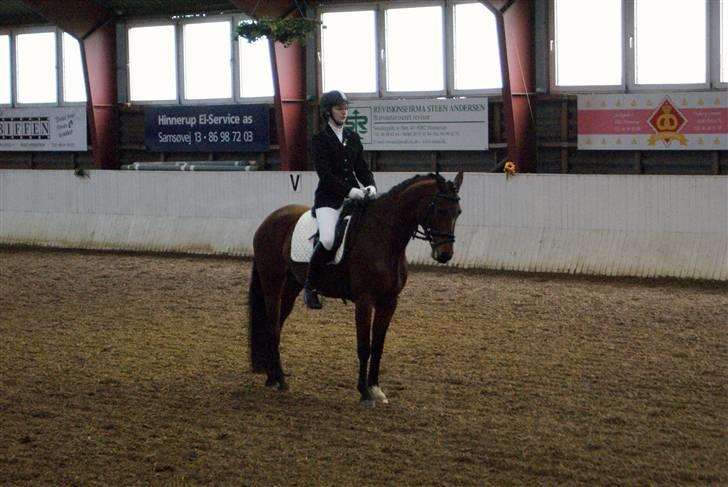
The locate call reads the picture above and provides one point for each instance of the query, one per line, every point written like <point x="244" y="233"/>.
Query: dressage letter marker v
<point x="295" y="182"/>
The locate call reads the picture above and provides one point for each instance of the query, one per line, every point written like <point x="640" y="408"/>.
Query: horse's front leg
<point x="382" y="318"/>
<point x="363" y="346"/>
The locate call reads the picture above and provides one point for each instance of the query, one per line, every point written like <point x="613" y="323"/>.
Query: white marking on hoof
<point x="378" y="395"/>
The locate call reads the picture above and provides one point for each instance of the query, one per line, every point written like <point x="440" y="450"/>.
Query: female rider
<point x="342" y="172"/>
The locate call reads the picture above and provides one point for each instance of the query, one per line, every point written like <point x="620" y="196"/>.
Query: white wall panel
<point x="595" y="224"/>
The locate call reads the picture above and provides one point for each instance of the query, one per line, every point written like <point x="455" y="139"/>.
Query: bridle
<point x="427" y="233"/>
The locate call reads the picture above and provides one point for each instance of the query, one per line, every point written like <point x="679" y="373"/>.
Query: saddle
<point x="305" y="234"/>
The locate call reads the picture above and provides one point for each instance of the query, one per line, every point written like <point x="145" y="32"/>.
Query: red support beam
<point x="289" y="80"/>
<point x="99" y="49"/>
<point x="519" y="44"/>
<point x="514" y="20"/>
<point x="93" y="26"/>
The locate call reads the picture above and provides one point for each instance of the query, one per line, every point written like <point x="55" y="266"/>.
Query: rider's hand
<point x="371" y="192"/>
<point x="356" y="194"/>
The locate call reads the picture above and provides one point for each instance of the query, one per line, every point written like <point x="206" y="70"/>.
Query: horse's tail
<point x="259" y="333"/>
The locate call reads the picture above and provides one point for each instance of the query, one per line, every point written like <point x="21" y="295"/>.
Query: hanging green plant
<point x="285" y="31"/>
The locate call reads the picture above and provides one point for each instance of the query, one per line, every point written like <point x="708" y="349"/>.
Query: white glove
<point x="356" y="194"/>
<point x="371" y="192"/>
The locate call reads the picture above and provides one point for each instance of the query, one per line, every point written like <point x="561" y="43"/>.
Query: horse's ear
<point x="458" y="181"/>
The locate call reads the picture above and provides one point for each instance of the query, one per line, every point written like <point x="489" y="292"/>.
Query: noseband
<point x="427" y="233"/>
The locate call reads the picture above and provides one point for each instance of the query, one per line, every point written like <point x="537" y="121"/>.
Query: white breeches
<point x="326" y="219"/>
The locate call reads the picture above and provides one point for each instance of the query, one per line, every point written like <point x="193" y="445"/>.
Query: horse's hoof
<point x="367" y="403"/>
<point x="270" y="382"/>
<point x="377" y="395"/>
<point x="283" y="386"/>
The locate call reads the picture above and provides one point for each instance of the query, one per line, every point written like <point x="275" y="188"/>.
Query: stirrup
<point x="311" y="298"/>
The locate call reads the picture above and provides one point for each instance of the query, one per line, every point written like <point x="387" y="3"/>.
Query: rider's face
<point x="339" y="113"/>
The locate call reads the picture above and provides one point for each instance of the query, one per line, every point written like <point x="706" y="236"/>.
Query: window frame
<point x="628" y="84"/>
<point x="629" y="33"/>
<point x="14" y="68"/>
<point x="11" y="65"/>
<point x="178" y="24"/>
<point x="237" y="68"/>
<point x="714" y="44"/>
<point x="180" y="47"/>
<point x="131" y="24"/>
<point x="450" y="54"/>
<point x="61" y="68"/>
<point x="557" y="89"/>
<point x="12" y="33"/>
<point x="381" y="49"/>
<point x="373" y="7"/>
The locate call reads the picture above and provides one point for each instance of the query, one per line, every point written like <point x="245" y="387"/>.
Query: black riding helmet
<point x="331" y="99"/>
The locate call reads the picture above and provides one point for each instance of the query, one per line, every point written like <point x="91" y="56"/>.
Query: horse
<point x="371" y="274"/>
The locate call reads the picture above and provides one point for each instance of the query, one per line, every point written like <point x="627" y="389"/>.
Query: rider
<point x="342" y="172"/>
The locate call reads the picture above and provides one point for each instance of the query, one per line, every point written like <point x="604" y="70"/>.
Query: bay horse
<point x="371" y="274"/>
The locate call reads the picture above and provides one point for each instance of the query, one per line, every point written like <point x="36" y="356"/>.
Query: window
<point x="256" y="75"/>
<point x="74" y="85"/>
<point x="414" y="49"/>
<point x="588" y="42"/>
<point x="476" y="49"/>
<point x="36" y="67"/>
<point x="211" y="67"/>
<point x="640" y="45"/>
<point x="5" y="93"/>
<point x="207" y="60"/>
<point x="152" y="63"/>
<point x="683" y="27"/>
<point x="349" y="66"/>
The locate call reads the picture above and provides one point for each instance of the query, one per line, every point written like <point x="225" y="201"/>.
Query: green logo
<point x="357" y="122"/>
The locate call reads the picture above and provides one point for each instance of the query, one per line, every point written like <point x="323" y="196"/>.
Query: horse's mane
<point x="397" y="189"/>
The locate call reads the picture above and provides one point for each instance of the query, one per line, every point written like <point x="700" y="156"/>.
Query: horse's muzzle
<point x="442" y="257"/>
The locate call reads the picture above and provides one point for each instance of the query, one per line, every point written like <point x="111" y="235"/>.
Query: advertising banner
<point x="434" y="124"/>
<point x="222" y="128"/>
<point x="43" y="129"/>
<point x="675" y="121"/>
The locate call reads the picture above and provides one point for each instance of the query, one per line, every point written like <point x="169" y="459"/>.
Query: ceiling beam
<point x="77" y="17"/>
<point x="267" y="8"/>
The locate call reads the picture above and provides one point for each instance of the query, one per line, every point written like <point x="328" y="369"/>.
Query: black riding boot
<point x="319" y="258"/>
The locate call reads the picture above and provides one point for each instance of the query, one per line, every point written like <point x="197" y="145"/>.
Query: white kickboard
<point x="302" y="241"/>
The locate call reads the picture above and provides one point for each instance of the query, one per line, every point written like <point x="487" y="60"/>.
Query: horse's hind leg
<point x="273" y="286"/>
<point x="291" y="290"/>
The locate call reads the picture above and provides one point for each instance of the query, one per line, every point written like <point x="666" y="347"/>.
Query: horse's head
<point x="440" y="217"/>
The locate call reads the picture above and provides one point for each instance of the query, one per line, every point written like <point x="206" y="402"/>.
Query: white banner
<point x="43" y="129"/>
<point x="434" y="124"/>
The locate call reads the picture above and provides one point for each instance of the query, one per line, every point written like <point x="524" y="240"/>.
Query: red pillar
<point x="99" y="49"/>
<point x="289" y="80"/>
<point x="514" y="20"/>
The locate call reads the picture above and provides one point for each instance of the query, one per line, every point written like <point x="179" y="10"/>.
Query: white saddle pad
<point x="302" y="241"/>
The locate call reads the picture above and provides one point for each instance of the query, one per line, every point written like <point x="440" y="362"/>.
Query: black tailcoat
<point x="338" y="166"/>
